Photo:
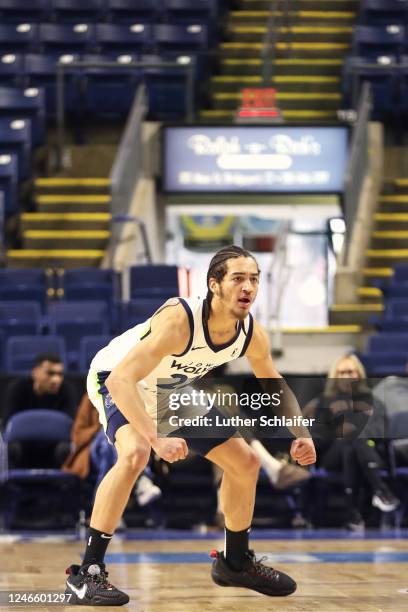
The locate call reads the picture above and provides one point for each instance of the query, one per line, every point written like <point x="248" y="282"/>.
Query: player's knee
<point x="134" y="457"/>
<point x="247" y="466"/>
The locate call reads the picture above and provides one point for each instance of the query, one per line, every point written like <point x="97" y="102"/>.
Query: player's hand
<point x="303" y="451"/>
<point x="171" y="449"/>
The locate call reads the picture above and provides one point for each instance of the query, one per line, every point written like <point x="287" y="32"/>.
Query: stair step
<point x="254" y="49"/>
<point x="62" y="185"/>
<point x="401" y="182"/>
<point x="360" y="314"/>
<point x="65" y="221"/>
<point x="282" y="83"/>
<point x="77" y="239"/>
<point x="280" y="17"/>
<point x="57" y="258"/>
<point x="391" y="221"/>
<point x="73" y="203"/>
<point x="289" y="100"/>
<point x="383" y="239"/>
<point x="384" y="256"/>
<point x="370" y="293"/>
<point x="301" y="34"/>
<point x="310" y="5"/>
<point x="283" y="66"/>
<point x="378" y="272"/>
<point x="289" y="115"/>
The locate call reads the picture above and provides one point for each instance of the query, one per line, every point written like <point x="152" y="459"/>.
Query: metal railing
<point x="126" y="170"/>
<point x="268" y="54"/>
<point x="357" y="165"/>
<point x="188" y="68"/>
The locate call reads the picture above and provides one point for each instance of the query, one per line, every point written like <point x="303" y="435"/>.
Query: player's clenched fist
<point x="303" y="451"/>
<point x="171" y="449"/>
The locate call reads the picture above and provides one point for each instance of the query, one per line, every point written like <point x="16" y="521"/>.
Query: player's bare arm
<point x="259" y="356"/>
<point x="169" y="334"/>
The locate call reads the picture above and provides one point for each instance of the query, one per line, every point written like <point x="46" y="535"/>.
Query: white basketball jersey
<point x="177" y="371"/>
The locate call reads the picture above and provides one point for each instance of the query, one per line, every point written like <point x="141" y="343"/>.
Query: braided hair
<point x="218" y="269"/>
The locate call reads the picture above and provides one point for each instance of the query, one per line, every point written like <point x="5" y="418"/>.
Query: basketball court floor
<point x="169" y="571"/>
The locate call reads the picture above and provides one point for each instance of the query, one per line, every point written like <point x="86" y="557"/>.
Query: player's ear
<point x="213" y="285"/>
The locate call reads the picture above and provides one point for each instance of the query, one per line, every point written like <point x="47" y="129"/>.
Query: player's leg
<point x="87" y="584"/>
<point x="238" y="566"/>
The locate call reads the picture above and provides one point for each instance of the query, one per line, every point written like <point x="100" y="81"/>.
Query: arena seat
<point x="73" y="319"/>
<point x="18" y="38"/>
<point x="8" y="183"/>
<point x="383" y="12"/>
<point x="372" y="41"/>
<point x="15" y="137"/>
<point x="40" y="71"/>
<point x="389" y="343"/>
<point x="26" y="483"/>
<point x="22" y="350"/>
<point x="190" y="11"/>
<point x="88" y="347"/>
<point x="23" y="284"/>
<point x="129" y="11"/>
<point x="381" y="73"/>
<point x="108" y="90"/>
<point x="19" y="318"/>
<point x="398" y="439"/>
<point x="136" y="311"/>
<point x="27" y="103"/>
<point x="23" y="11"/>
<point x="77" y="11"/>
<point x="131" y="38"/>
<point x="153" y="281"/>
<point x="11" y="70"/>
<point x="66" y="38"/>
<point x="178" y="39"/>
<point x="90" y="284"/>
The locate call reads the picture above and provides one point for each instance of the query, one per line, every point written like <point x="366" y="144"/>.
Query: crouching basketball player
<point x="123" y="384"/>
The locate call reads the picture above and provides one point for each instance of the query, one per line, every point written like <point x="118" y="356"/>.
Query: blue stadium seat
<point x="403" y="103"/>
<point x="129" y="11"/>
<point x="15" y="137"/>
<point x="153" y="281"/>
<point x="190" y="11"/>
<point x="90" y="283"/>
<point x="28" y="103"/>
<point x="400" y="273"/>
<point x="23" y="485"/>
<point x="40" y="72"/>
<point x="8" y="183"/>
<point x="389" y="343"/>
<point x="23" y="284"/>
<point x="22" y="350"/>
<point x="180" y="38"/>
<point x="20" y="318"/>
<point x="136" y="311"/>
<point x="2" y="346"/>
<point x="381" y="73"/>
<point x="372" y="41"/>
<point x="77" y="11"/>
<point x="18" y="38"/>
<point x="66" y="38"/>
<point x="11" y="70"/>
<point x="384" y="12"/>
<point x="111" y="91"/>
<point x="73" y="320"/>
<point x="131" y="38"/>
<point x="23" y="11"/>
<point x="166" y="87"/>
<point x="88" y="347"/>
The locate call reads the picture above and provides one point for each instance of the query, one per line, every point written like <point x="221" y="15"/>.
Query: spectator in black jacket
<point x="45" y="388"/>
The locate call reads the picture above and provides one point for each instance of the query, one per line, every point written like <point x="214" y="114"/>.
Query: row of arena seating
<point x="103" y="38"/>
<point x="387" y="352"/>
<point x="117" y="11"/>
<point x="371" y="41"/>
<point x="90" y="305"/>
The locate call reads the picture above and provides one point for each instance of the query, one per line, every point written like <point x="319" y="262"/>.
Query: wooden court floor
<point x="173" y="575"/>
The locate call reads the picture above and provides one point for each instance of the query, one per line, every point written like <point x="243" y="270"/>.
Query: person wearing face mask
<point x="349" y="427"/>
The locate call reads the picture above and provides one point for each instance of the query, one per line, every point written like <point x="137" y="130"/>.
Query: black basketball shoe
<point x="254" y="575"/>
<point x="89" y="586"/>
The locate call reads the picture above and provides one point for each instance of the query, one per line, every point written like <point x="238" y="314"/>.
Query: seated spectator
<point x="349" y="424"/>
<point x="392" y="391"/>
<point x="44" y="389"/>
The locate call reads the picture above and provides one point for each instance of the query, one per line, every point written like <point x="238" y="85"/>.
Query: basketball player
<point x="123" y="384"/>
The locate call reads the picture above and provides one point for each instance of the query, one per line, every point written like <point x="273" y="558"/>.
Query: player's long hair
<point x="218" y="269"/>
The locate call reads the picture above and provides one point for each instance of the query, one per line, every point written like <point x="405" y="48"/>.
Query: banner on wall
<point x="264" y="159"/>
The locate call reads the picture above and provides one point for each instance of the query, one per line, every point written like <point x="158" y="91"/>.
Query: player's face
<point x="48" y="376"/>
<point x="239" y="287"/>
